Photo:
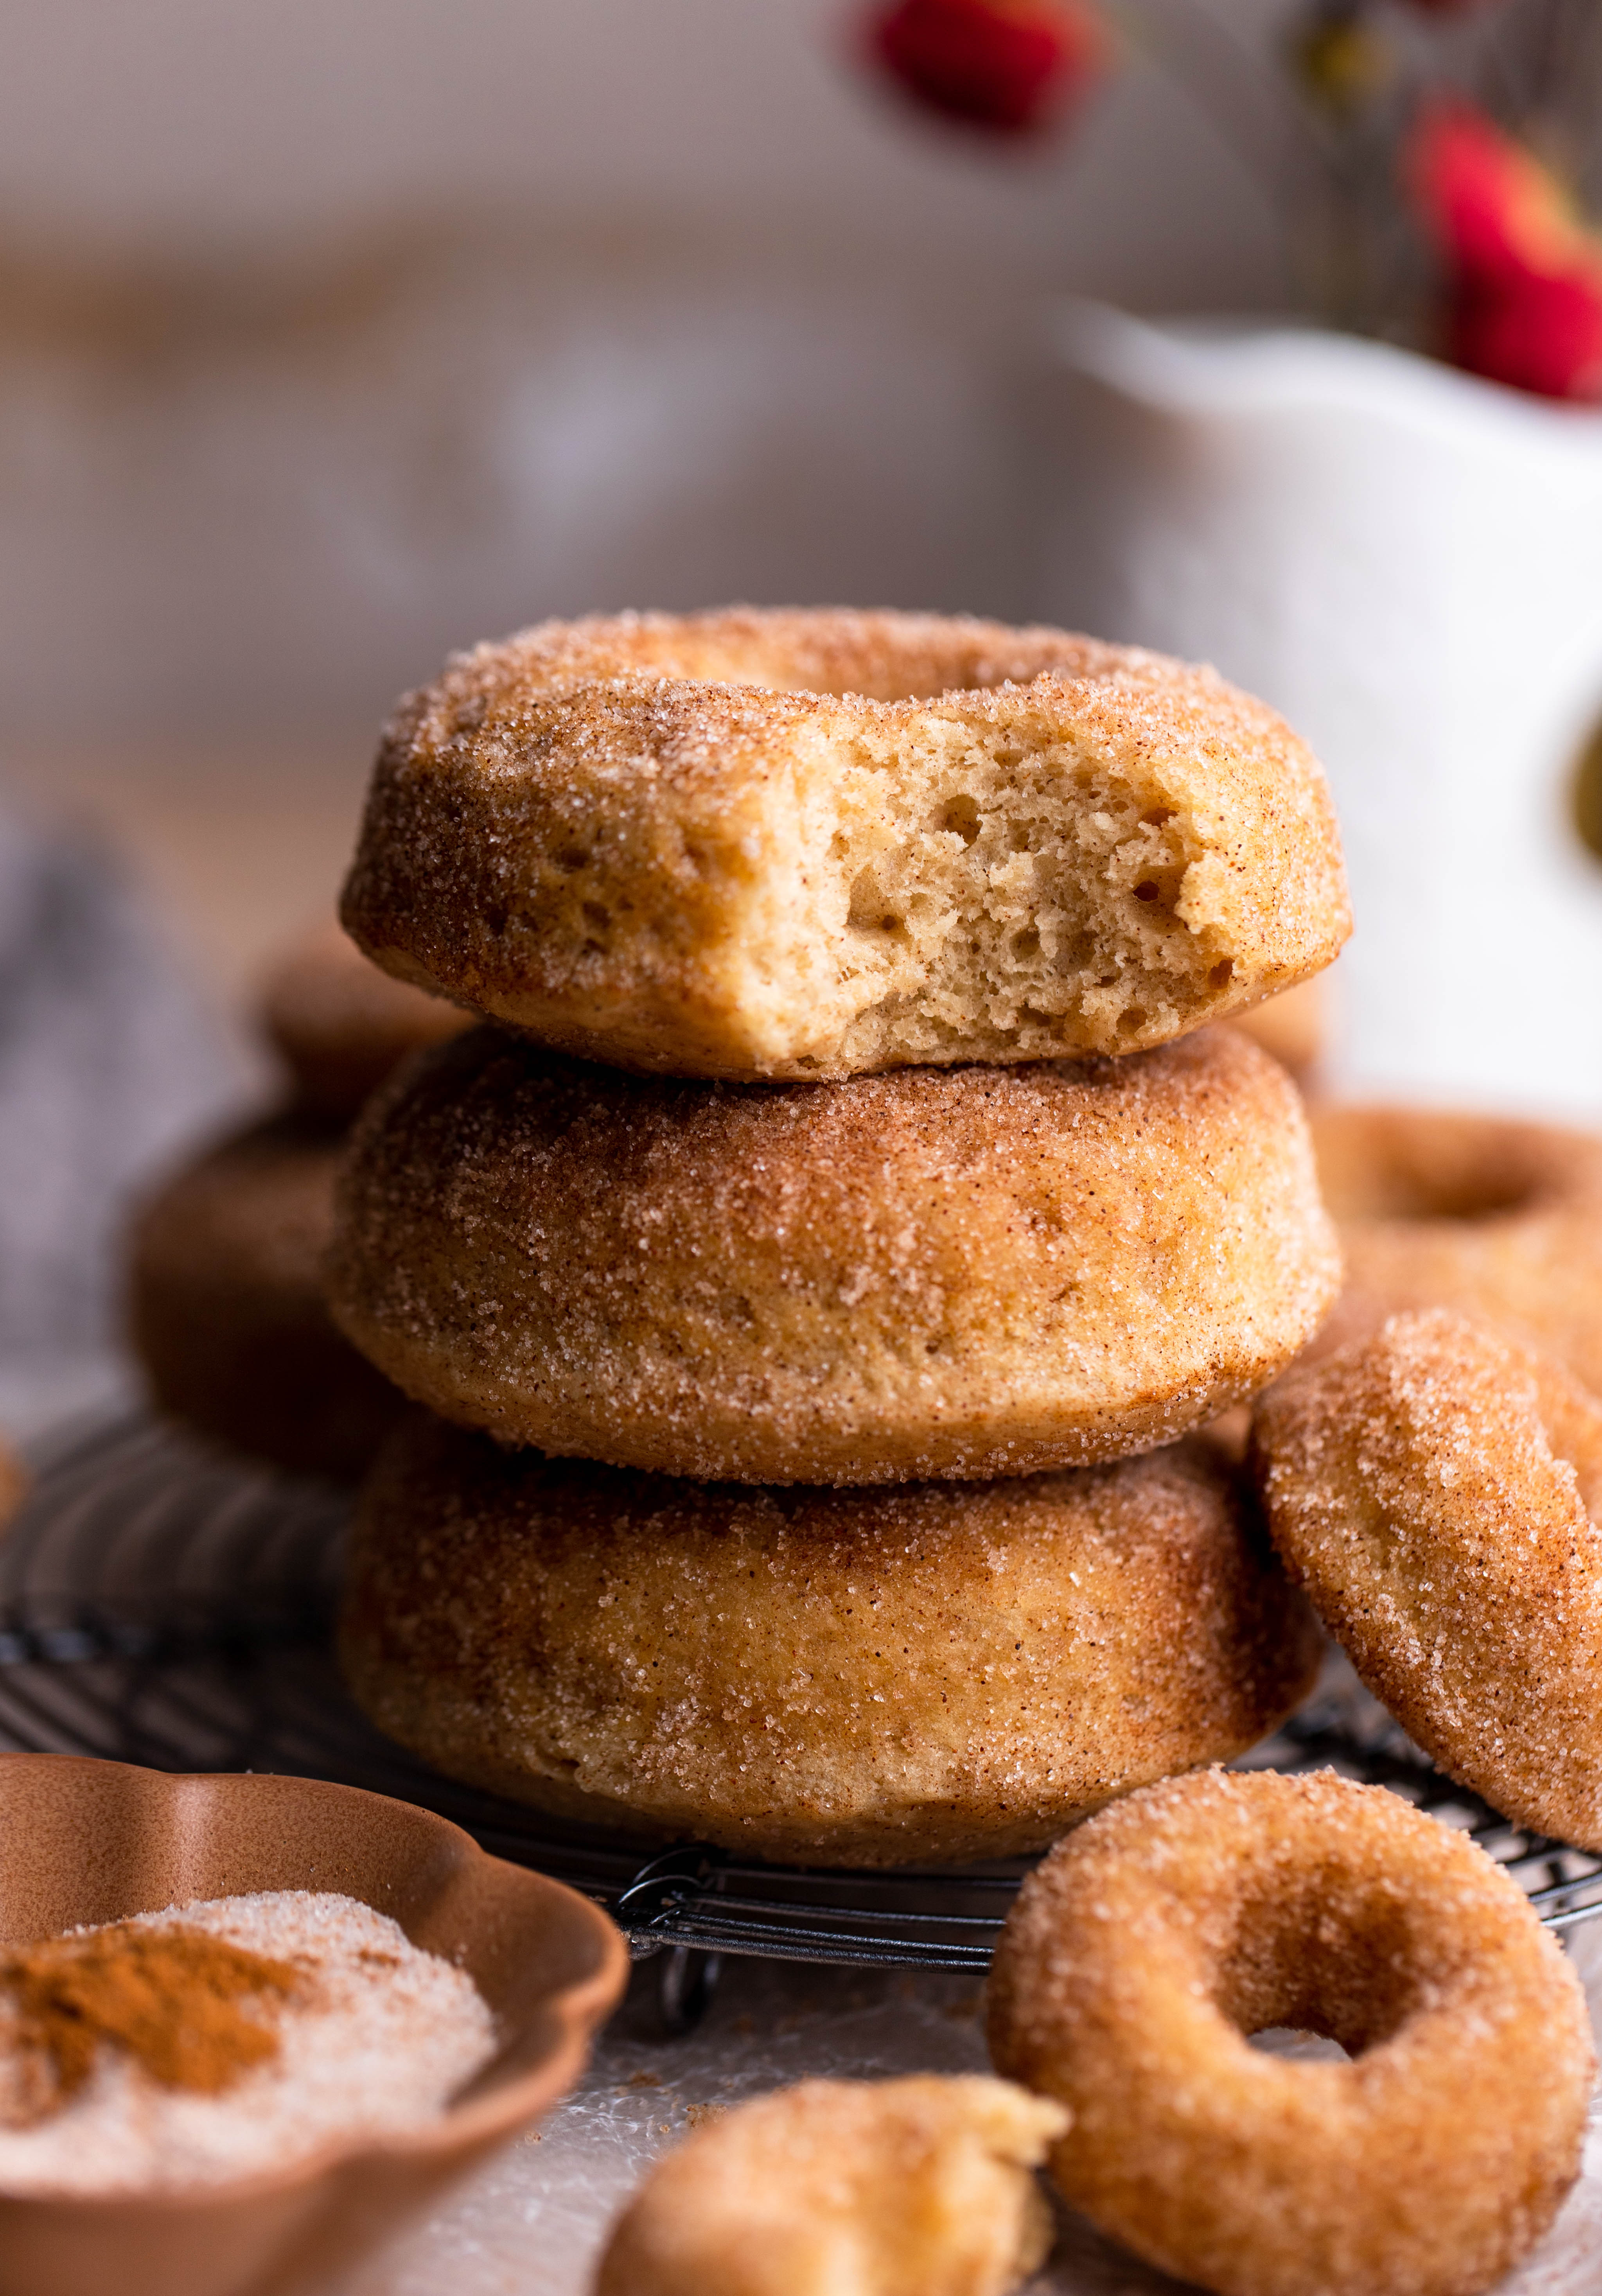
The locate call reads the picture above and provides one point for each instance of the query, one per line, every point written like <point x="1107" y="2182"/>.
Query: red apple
<point x="1010" y="66"/>
<point x="1523" y="270"/>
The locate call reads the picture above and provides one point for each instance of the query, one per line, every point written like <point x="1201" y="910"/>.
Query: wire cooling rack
<point x="159" y="1603"/>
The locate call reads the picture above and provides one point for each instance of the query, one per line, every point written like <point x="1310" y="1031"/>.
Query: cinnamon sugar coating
<point x="225" y="1305"/>
<point x="340" y="1025"/>
<point x="850" y="1677"/>
<point x="1498" y="1218"/>
<point x="915" y="2187"/>
<point x="1151" y="1944"/>
<point x="815" y="844"/>
<point x="967" y="1271"/>
<point x="1436" y="1488"/>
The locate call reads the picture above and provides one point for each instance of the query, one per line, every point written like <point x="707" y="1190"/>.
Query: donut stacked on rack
<point x="225" y="1299"/>
<point x="819" y="1268"/>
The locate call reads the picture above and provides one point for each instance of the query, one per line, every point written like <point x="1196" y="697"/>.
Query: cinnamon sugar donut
<point x="849" y="1678"/>
<point x="1498" y="1218"/>
<point x="14" y="1483"/>
<point x="225" y="1306"/>
<point x="1151" y="1944"/>
<point x="915" y="2187"/>
<point x="1436" y="1488"/>
<point x="340" y="1025"/>
<point x="815" y="844"/>
<point x="940" y="1271"/>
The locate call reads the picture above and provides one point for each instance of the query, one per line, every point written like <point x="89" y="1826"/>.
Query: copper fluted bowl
<point x="96" y="1841"/>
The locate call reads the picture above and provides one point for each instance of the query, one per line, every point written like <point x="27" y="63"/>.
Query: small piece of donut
<point x="850" y="1677"/>
<point x="1436" y="1488"/>
<point x="815" y="844"/>
<point x="1499" y="1219"/>
<point x="940" y="1271"/>
<point x="225" y="1306"/>
<point x="340" y="1025"/>
<point x="1148" y="1948"/>
<point x="915" y="2187"/>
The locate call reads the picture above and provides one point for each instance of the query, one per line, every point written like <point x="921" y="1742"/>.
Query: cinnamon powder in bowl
<point x="248" y="2025"/>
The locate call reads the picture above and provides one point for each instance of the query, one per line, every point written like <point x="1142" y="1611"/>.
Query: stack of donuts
<point x="821" y="1268"/>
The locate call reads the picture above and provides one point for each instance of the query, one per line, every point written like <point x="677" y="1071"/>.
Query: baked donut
<point x="1498" y="1218"/>
<point x="850" y="1677"/>
<point x="1148" y="1948"/>
<point x="1436" y="1488"/>
<point x="815" y="844"/>
<point x="226" y="1307"/>
<point x="340" y="1025"/>
<point x="916" y="2187"/>
<point x="940" y="1271"/>
<point x="14" y="1483"/>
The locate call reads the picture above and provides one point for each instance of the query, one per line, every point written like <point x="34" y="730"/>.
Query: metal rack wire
<point x="161" y="1605"/>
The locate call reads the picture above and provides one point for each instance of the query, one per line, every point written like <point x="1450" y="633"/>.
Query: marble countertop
<point x="534" y="2221"/>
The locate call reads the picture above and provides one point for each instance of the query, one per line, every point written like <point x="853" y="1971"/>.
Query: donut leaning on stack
<point x="225" y="1297"/>
<point x="850" y="1185"/>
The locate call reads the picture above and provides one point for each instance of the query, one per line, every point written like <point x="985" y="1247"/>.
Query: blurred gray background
<point x="332" y="335"/>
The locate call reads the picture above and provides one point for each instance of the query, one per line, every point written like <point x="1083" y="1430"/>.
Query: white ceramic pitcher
<point x="1408" y="562"/>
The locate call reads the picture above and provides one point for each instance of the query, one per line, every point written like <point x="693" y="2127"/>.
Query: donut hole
<point x="1402" y="1195"/>
<point x="1427" y="1165"/>
<point x="1291" y="2043"/>
<point x="1333" y="1958"/>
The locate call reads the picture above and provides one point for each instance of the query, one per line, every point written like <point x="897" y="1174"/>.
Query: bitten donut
<point x="225" y="1306"/>
<point x="917" y="2187"/>
<point x="1436" y="1488"/>
<point x="940" y="1272"/>
<point x="340" y="1025"/>
<point x="1148" y="1948"/>
<point x="816" y="844"/>
<point x="846" y="1677"/>
<point x="1499" y="1219"/>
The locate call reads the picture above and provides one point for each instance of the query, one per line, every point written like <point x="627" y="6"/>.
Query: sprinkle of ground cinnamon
<point x="176" y="2000"/>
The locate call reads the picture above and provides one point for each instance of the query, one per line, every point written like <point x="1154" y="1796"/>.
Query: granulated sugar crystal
<point x="373" y="2037"/>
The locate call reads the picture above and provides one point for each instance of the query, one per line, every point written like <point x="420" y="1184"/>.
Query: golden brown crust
<point x="940" y="1272"/>
<point x="819" y="844"/>
<point x="340" y="1025"/>
<point x="1498" y="1218"/>
<point x="947" y="1670"/>
<point x="1153" y="1942"/>
<point x="917" y="2187"/>
<point x="1435" y="1488"/>
<point x="226" y="1307"/>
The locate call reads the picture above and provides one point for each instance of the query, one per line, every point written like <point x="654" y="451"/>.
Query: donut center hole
<point x="1411" y="1195"/>
<point x="1320" y="1973"/>
<point x="1300" y="2047"/>
<point x="1424" y="1171"/>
